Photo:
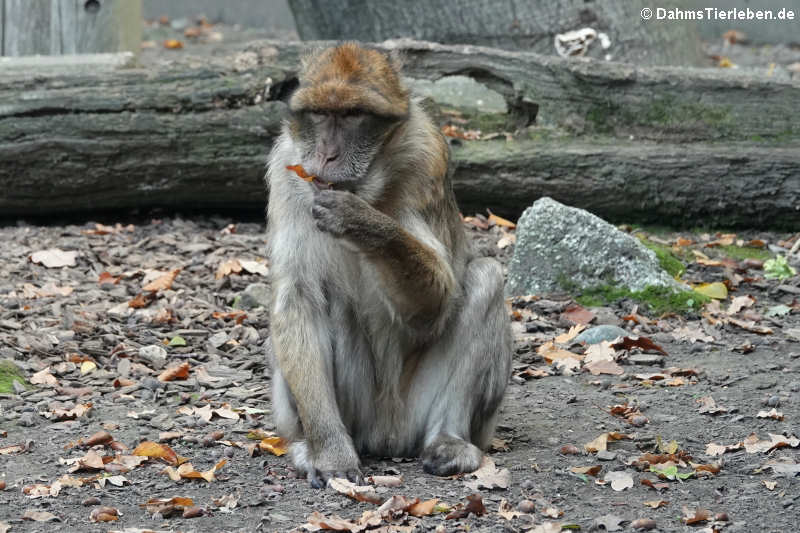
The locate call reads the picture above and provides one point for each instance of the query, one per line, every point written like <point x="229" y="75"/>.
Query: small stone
<point x="154" y="354"/>
<point x="152" y="384"/>
<point x="255" y="295"/>
<point x="88" y="502"/>
<point x="26" y="419"/>
<point x="528" y="484"/>
<point x="646" y="359"/>
<point x="526" y="506"/>
<point x="599" y="334"/>
<point x="605" y="455"/>
<point x="794" y="386"/>
<point x="773" y="401"/>
<point x="218" y="339"/>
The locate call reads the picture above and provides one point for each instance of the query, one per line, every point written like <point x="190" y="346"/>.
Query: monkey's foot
<point x="448" y="455"/>
<point x="333" y="462"/>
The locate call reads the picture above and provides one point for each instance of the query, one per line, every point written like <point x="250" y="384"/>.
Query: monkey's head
<point x="349" y="100"/>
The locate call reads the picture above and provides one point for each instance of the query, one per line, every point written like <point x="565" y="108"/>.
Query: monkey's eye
<point x="317" y="118"/>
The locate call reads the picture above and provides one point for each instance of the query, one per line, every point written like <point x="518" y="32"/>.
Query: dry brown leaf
<point x="226" y="268"/>
<point x="48" y="290"/>
<point x="155" y="450"/>
<point x="474" y="506"/>
<point x="172" y="373"/>
<point x="709" y="406"/>
<point x="772" y="413"/>
<point x="601" y="442"/>
<point x="104" y="514"/>
<point x="551" y="353"/>
<point x="602" y="351"/>
<point x="385" y="481"/>
<point x="488" y="476"/>
<point x="423" y="508"/>
<point x="187" y="471"/>
<point x="619" y="480"/>
<point x="163" y="282"/>
<point x="500" y="221"/>
<point x="44" y="377"/>
<point x="643" y="343"/>
<point x="59" y="415"/>
<point x="696" y="516"/>
<point x="569" y="335"/>
<point x="142" y="300"/>
<point x="655" y="486"/>
<point x="274" y="445"/>
<point x="577" y="314"/>
<point x="588" y="470"/>
<point x="365" y="493"/>
<point x="655" y="504"/>
<point x="107" y="278"/>
<point x="604" y="367"/>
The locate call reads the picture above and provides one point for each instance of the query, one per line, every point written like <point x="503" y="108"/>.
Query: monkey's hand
<point x="339" y="213"/>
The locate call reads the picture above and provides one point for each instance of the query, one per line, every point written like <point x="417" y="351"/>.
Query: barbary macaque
<point x="390" y="337"/>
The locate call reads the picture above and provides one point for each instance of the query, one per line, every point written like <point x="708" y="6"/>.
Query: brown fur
<point x="351" y="77"/>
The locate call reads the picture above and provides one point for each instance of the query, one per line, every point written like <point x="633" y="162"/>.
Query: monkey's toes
<point x="319" y="478"/>
<point x="450" y="455"/>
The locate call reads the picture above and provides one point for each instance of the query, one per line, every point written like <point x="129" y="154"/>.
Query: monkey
<point x="389" y="336"/>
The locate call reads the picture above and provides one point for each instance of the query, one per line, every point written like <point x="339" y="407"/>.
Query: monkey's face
<point x="339" y="147"/>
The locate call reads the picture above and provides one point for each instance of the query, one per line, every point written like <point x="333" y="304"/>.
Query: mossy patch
<point x="746" y="252"/>
<point x="659" y="300"/>
<point x="9" y="373"/>
<point x="666" y="258"/>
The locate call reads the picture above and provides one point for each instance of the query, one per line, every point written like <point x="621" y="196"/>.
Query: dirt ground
<point x="65" y="319"/>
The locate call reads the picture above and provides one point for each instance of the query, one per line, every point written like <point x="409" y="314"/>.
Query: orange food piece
<point x="301" y="172"/>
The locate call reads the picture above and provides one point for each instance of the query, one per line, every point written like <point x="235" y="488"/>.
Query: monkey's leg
<point x="305" y="404"/>
<point x="462" y="380"/>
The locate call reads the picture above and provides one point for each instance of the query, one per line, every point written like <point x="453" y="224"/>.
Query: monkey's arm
<point x="417" y="278"/>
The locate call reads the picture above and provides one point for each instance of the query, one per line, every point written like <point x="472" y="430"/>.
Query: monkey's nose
<point x="331" y="157"/>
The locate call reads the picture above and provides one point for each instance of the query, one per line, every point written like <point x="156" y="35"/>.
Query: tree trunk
<point x="527" y="25"/>
<point x="92" y="136"/>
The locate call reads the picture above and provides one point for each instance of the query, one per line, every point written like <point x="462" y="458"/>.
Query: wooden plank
<point x="31" y="27"/>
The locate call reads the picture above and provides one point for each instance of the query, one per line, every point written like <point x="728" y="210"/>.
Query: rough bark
<point x="529" y="25"/>
<point x="195" y="134"/>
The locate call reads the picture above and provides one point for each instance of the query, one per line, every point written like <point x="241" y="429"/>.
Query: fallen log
<point x="195" y="132"/>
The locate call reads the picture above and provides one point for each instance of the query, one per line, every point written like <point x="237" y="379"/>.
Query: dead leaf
<point x="507" y="511"/>
<point x="107" y="278"/>
<point x="48" y="290"/>
<point x="643" y="523"/>
<point x="423" y="508"/>
<point x="709" y="406"/>
<point x="714" y="450"/>
<point x="643" y="343"/>
<point x="226" y="268"/>
<point x="254" y="267"/>
<point x="601" y="442"/>
<point x="772" y="413"/>
<point x="752" y="444"/>
<point x="604" y="367"/>
<point x="696" y="516"/>
<point x="359" y="493"/>
<point x="40" y="516"/>
<point x="155" y="450"/>
<point x="577" y="314"/>
<point x="187" y="471"/>
<point x="474" y="506"/>
<point x="44" y="377"/>
<point x="142" y="300"/>
<point x="655" y="504"/>
<point x="769" y="484"/>
<point x="488" y="476"/>
<point x="59" y="415"/>
<point x="163" y="282"/>
<point x="739" y="303"/>
<point x="691" y="334"/>
<point x="573" y="332"/>
<point x="655" y="486"/>
<point x="500" y="221"/>
<point x="385" y="481"/>
<point x="602" y="351"/>
<point x="104" y="514"/>
<point x="551" y="353"/>
<point x="54" y="258"/>
<point x="619" y="480"/>
<point x="588" y="470"/>
<point x="749" y="325"/>
<point x="172" y="373"/>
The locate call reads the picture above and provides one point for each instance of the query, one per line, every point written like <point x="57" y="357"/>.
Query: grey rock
<point x="558" y="245"/>
<point x="218" y="339"/>
<point x="599" y="334"/>
<point x="154" y="354"/>
<point x="605" y="455"/>
<point x="647" y="359"/>
<point x="27" y="420"/>
<point x="254" y="295"/>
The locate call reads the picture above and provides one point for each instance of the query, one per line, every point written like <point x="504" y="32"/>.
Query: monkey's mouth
<point x="321" y="185"/>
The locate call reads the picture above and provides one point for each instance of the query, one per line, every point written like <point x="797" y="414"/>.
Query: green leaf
<point x="778" y="310"/>
<point x="716" y="290"/>
<point x="177" y="340"/>
<point x="778" y="268"/>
